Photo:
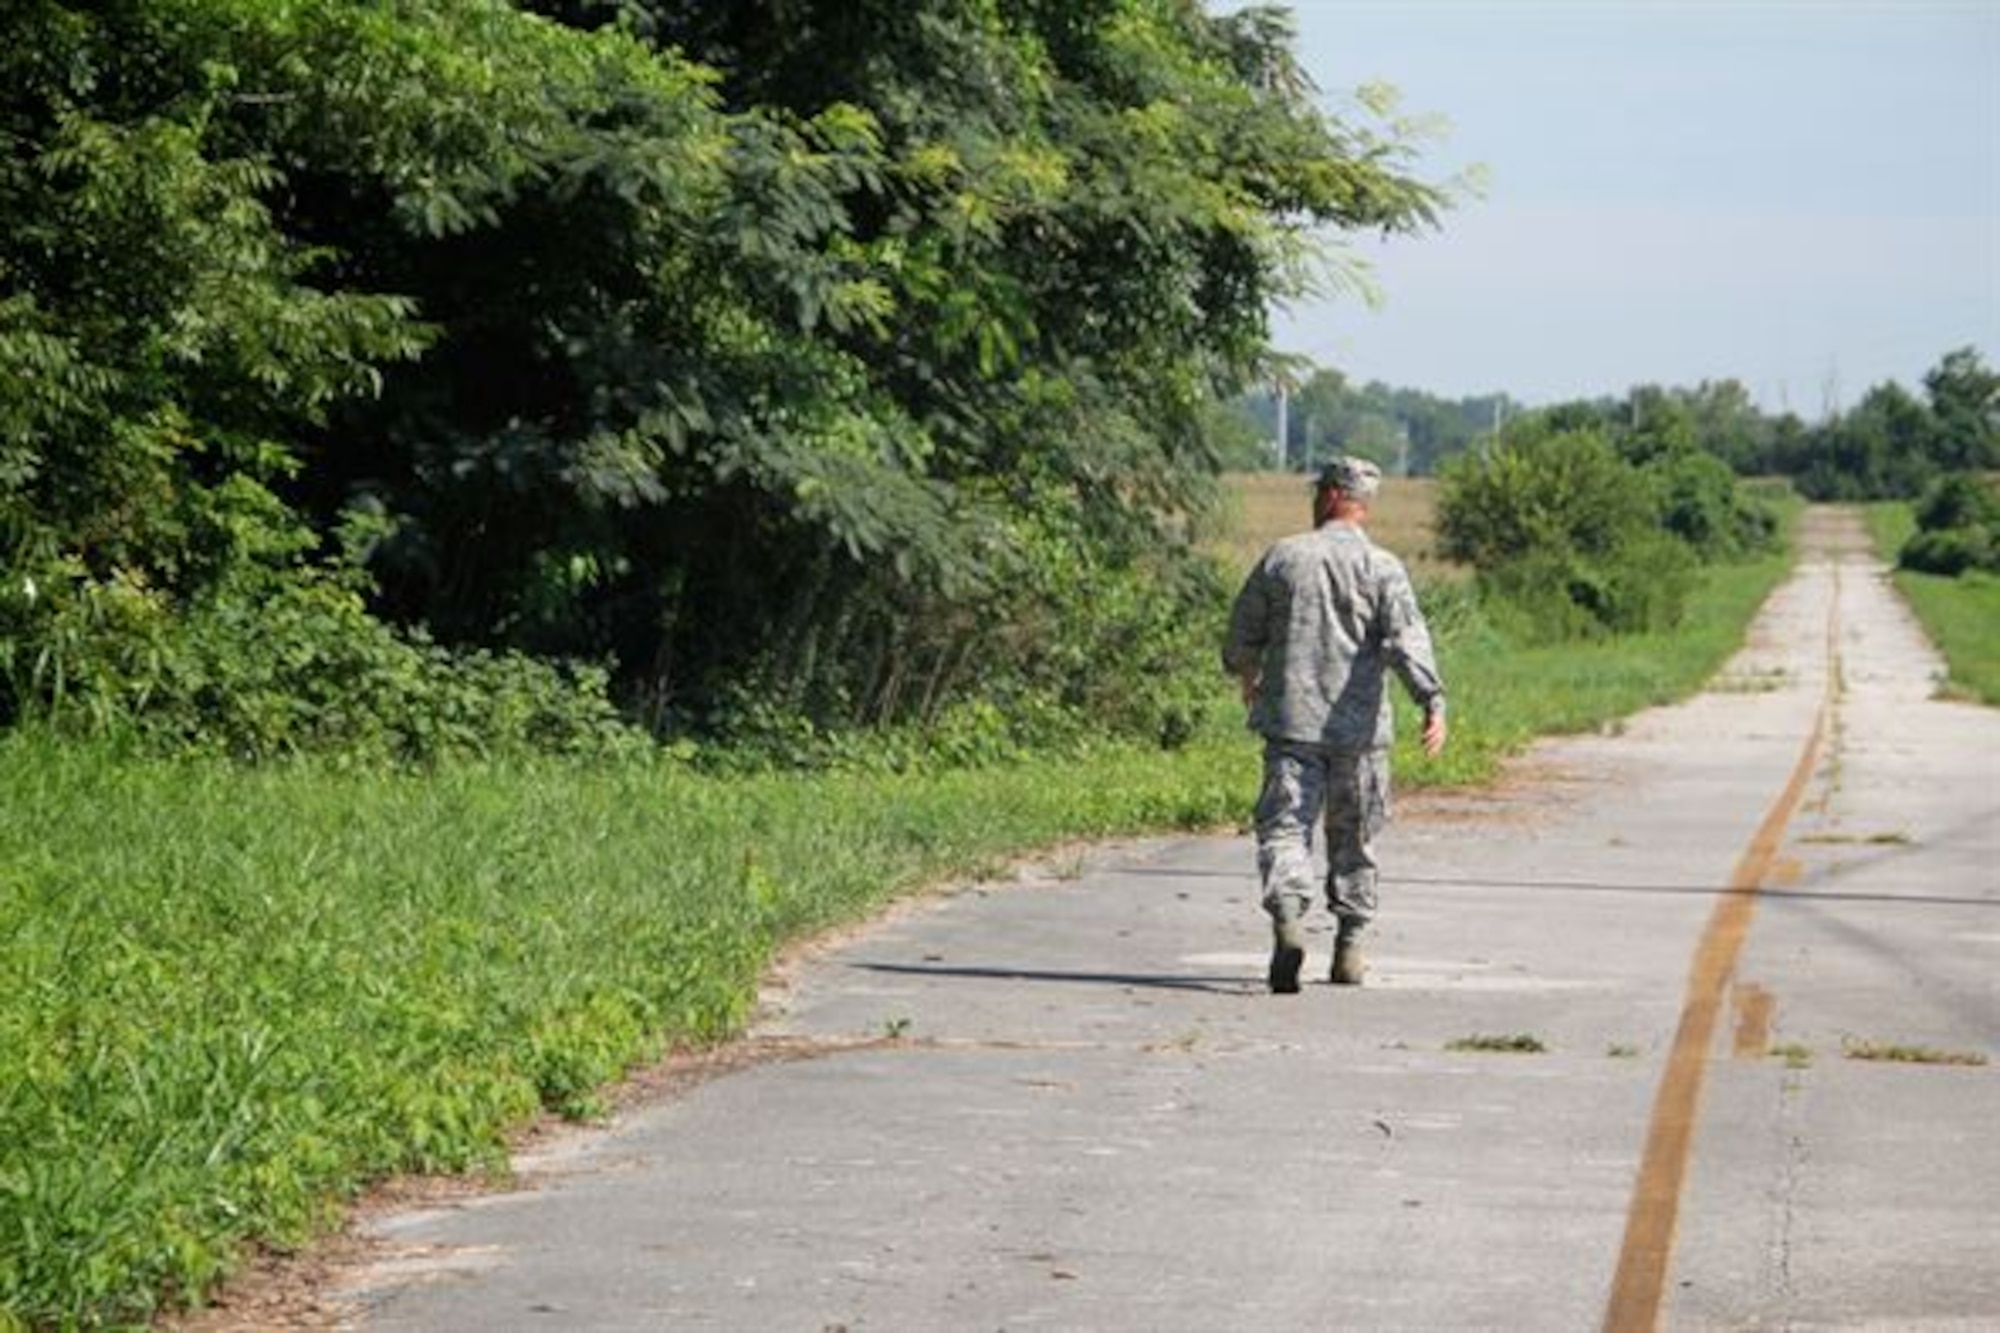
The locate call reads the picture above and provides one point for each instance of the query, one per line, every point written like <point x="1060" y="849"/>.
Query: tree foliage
<point x="1892" y="444"/>
<point x="1895" y="443"/>
<point x="1578" y="535"/>
<point x="854" y="359"/>
<point x="1958" y="528"/>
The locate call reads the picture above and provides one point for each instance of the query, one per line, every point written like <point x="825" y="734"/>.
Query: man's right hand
<point x="1435" y="732"/>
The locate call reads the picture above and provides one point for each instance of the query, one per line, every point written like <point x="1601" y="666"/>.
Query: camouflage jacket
<point x="1323" y="619"/>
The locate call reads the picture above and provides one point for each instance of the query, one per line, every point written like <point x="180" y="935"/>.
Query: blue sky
<point x="1800" y="194"/>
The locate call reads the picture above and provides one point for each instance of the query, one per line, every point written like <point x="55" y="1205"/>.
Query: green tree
<point x="1965" y="403"/>
<point x="1958" y="527"/>
<point x="789" y="355"/>
<point x="1565" y="534"/>
<point x="1894" y="444"/>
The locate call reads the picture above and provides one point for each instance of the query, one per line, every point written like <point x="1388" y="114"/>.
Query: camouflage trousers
<point x="1303" y="786"/>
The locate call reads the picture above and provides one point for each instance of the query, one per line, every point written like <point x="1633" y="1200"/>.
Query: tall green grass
<point x="234" y="996"/>
<point x="1961" y="615"/>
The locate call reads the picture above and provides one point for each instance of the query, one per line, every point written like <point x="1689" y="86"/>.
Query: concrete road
<point x="1068" y="1103"/>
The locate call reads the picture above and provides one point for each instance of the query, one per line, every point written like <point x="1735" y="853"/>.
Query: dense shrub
<point x="1563" y="491"/>
<point x="1958" y="528"/>
<point x="1703" y="504"/>
<point x="1565" y="533"/>
<point x="1959" y="500"/>
<point x="1558" y="594"/>
<point x="301" y="668"/>
<point x="1950" y="551"/>
<point x="1571" y="539"/>
<point x="273" y="654"/>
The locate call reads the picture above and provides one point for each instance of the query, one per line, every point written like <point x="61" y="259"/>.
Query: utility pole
<point x="1282" y="445"/>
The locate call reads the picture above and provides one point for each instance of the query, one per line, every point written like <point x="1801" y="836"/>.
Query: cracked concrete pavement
<point x="1066" y="1102"/>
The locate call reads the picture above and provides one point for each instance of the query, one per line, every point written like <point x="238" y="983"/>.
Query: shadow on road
<point x="1155" y="981"/>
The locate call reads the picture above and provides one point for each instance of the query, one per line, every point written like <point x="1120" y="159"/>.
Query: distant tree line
<point x="1890" y="445"/>
<point x="792" y="366"/>
<point x="1893" y="444"/>
<point x="1592" y="517"/>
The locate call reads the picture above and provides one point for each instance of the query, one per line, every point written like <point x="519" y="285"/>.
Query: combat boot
<point x="1288" y="955"/>
<point x="1348" y="965"/>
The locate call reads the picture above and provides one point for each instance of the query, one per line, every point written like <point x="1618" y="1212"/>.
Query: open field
<point x="1264" y="506"/>
<point x="1961" y="615"/>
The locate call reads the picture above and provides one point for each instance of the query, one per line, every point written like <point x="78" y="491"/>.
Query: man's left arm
<point x="1407" y="639"/>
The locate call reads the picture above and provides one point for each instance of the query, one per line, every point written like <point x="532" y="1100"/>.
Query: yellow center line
<point x="1647" y="1251"/>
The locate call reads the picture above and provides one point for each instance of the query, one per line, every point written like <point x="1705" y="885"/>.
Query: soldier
<point x="1319" y="624"/>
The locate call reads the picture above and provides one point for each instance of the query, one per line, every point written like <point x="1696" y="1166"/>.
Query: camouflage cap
<point x="1352" y="476"/>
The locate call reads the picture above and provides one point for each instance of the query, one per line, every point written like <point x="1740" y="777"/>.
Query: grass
<point x="1502" y="696"/>
<point x="1264" y="506"/>
<point x="1519" y="1043"/>
<point x="1895" y="838"/>
<point x="1903" y="1053"/>
<point x="1768" y="681"/>
<point x="235" y="996"/>
<point x="1961" y="615"/>
<point x="1796" y="1055"/>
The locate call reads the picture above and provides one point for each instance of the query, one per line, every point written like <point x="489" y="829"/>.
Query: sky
<point x="1799" y="194"/>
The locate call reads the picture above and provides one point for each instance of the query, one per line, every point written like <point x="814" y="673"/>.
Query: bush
<point x="1703" y="505"/>
<point x="1574" y="542"/>
<point x="1949" y="551"/>
<point x="1958" y="500"/>
<point x="1958" y="528"/>
<point x="291" y="665"/>
<point x="1555" y="594"/>
<point x="1567" y="491"/>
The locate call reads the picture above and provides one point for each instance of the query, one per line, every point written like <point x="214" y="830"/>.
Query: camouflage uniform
<point x="1324" y="618"/>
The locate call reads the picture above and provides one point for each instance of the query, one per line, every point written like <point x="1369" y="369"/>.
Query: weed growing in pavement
<point x="1904" y="1054"/>
<point x="1894" y="838"/>
<point x="1619" y="1050"/>
<point x="1520" y="1043"/>
<point x="1794" y="1054"/>
<point x="1753" y="682"/>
